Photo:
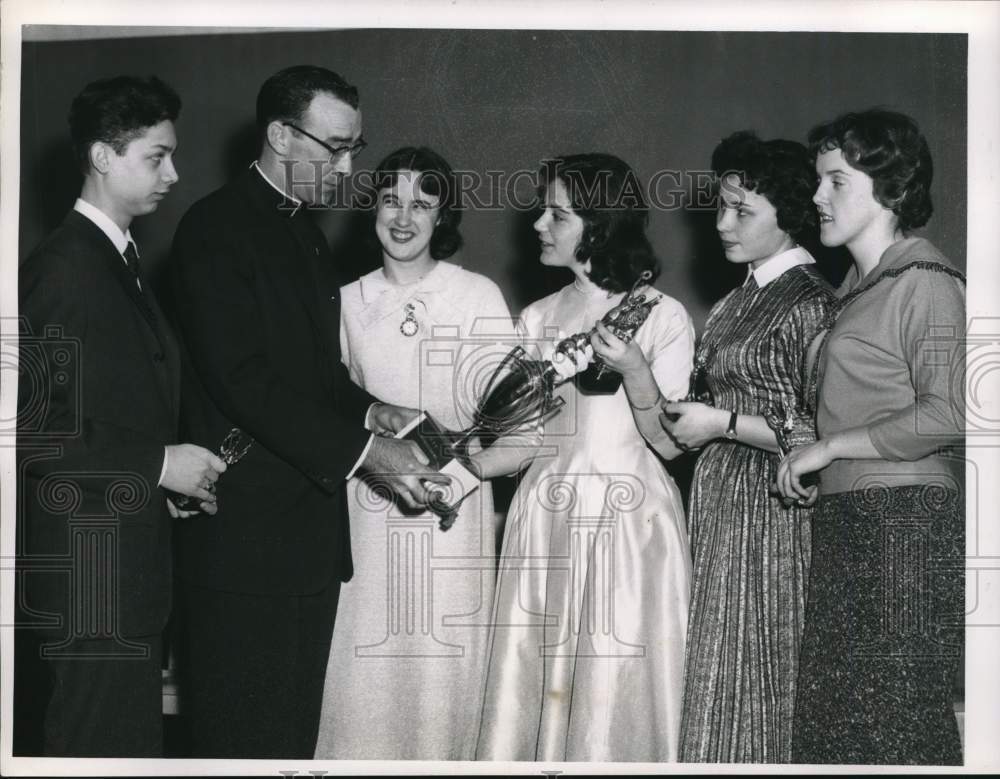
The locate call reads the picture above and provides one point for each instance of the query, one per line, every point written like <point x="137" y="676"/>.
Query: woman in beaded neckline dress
<point x="884" y="621"/>
<point x="750" y="552"/>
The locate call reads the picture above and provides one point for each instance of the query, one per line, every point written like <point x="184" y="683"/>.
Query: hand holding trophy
<point x="524" y="394"/>
<point x="231" y="451"/>
<point x="698" y="390"/>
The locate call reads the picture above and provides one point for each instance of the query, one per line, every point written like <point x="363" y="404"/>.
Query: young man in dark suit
<point x="97" y="442"/>
<point x="258" y="302"/>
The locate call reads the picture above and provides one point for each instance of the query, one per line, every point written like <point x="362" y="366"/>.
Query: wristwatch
<point x="731" y="430"/>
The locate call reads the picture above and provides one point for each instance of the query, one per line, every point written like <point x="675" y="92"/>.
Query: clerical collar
<point x="298" y="203"/>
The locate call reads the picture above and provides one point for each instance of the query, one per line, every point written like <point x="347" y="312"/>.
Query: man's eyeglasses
<point x="336" y="152"/>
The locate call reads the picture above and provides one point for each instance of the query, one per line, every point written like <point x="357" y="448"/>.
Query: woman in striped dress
<point x="750" y="552"/>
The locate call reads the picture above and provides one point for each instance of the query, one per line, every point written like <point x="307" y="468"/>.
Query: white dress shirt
<point x="106" y="223"/>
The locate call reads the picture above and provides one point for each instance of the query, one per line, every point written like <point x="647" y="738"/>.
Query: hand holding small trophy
<point x="698" y="389"/>
<point x="234" y="446"/>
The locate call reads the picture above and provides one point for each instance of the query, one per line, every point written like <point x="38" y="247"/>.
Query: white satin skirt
<point x="586" y="651"/>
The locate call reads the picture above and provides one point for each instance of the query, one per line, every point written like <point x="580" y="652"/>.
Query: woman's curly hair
<point x="605" y="192"/>
<point x="780" y="170"/>
<point x="889" y="147"/>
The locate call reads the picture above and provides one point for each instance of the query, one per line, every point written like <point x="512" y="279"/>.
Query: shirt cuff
<point x="368" y="424"/>
<point x="163" y="470"/>
<point x="364" y="452"/>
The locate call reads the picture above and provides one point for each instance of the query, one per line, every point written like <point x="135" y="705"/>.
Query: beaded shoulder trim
<point x="837" y="309"/>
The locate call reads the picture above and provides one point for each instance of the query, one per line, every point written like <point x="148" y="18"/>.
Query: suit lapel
<point x="170" y="351"/>
<point x="145" y="302"/>
<point x="127" y="280"/>
<point x="166" y="359"/>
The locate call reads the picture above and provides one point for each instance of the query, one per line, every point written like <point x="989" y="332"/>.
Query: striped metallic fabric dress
<point x="750" y="554"/>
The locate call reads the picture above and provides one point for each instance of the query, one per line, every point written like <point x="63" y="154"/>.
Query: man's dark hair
<point x="285" y="96"/>
<point x="118" y="110"/>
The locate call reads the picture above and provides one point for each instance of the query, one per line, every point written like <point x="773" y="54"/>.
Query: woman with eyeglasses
<point x="407" y="658"/>
<point x="884" y="620"/>
<point x="587" y="644"/>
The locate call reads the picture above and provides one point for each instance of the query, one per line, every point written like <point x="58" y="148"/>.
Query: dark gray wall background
<point x="503" y="100"/>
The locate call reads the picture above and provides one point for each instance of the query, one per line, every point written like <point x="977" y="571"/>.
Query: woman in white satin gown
<point x="586" y="654"/>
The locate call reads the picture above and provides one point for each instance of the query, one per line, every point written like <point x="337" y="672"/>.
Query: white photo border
<point x="120" y="18"/>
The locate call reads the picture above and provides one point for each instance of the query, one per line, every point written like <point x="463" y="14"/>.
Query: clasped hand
<point x="386" y="419"/>
<point x="802" y="460"/>
<point x="399" y="464"/>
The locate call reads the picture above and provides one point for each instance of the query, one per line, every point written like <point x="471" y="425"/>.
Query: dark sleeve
<point x="353" y="401"/>
<point x="222" y="330"/>
<point x="59" y="360"/>
<point x="803" y="324"/>
<point x="793" y="421"/>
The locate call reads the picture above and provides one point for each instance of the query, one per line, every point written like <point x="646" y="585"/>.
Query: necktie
<point x="132" y="260"/>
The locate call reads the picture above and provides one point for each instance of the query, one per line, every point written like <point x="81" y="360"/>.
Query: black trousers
<point x="106" y="701"/>
<point x="251" y="670"/>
